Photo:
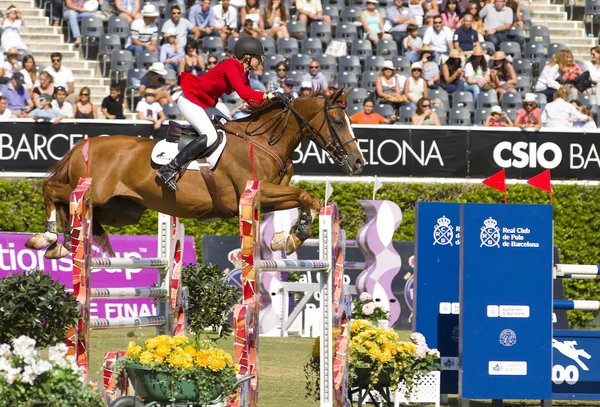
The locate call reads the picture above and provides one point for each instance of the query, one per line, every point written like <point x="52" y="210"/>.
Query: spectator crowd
<point x="419" y="62"/>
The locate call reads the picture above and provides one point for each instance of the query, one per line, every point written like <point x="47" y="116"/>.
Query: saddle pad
<point x="163" y="152"/>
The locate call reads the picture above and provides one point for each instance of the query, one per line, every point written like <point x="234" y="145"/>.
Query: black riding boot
<point x="167" y="173"/>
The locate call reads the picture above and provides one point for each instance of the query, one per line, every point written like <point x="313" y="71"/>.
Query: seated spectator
<point x="388" y="87"/>
<point x="277" y="82"/>
<point x="417" y="10"/>
<point x="589" y="124"/>
<point x="309" y="11"/>
<point x="57" y="12"/>
<point x="170" y="55"/>
<point x="248" y="29"/>
<point x="497" y="20"/>
<point x="477" y="73"/>
<point x="397" y="20"/>
<point x="74" y="12"/>
<point x="191" y="61"/>
<point x="450" y="15"/>
<point x="11" y="29"/>
<point x="569" y="71"/>
<point x="316" y="77"/>
<point x="495" y="118"/>
<point x="332" y="87"/>
<point x="29" y="71"/>
<point x="415" y="87"/>
<point x="431" y="70"/>
<point x="276" y="17"/>
<point x="44" y="85"/>
<point x="593" y="67"/>
<point x="477" y="25"/>
<point x="17" y="96"/>
<point x="517" y="20"/>
<point x="144" y="32"/>
<point x="428" y="6"/>
<point x="128" y="9"/>
<point x="438" y="38"/>
<point x="59" y="103"/>
<point x="149" y="109"/>
<point x="252" y="12"/>
<point x="288" y="87"/>
<point x="529" y="116"/>
<point x="253" y="76"/>
<point x="372" y="23"/>
<point x="367" y="116"/>
<point x="5" y="112"/>
<point x="502" y="75"/>
<point x="46" y="111"/>
<point x="452" y="73"/>
<point x="211" y="61"/>
<point x="548" y="81"/>
<point x="306" y="89"/>
<point x="11" y="64"/>
<point x="182" y="26"/>
<point x="412" y="44"/>
<point x="424" y="116"/>
<point x="84" y="108"/>
<point x="61" y="76"/>
<point x="154" y="79"/>
<point x="114" y="104"/>
<point x="202" y="17"/>
<point x="465" y="37"/>
<point x="226" y="20"/>
<point x="561" y="114"/>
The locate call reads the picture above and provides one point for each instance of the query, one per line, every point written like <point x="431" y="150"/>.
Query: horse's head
<point x="330" y="129"/>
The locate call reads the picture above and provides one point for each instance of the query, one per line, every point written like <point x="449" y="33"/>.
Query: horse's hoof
<point x="41" y="240"/>
<point x="291" y="244"/>
<point x="56" y="251"/>
<point x="278" y="241"/>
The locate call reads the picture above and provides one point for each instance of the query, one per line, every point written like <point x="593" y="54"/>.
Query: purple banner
<point x="16" y="258"/>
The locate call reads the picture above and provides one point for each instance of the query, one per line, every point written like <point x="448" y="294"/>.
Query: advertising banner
<point x="389" y="150"/>
<point x="16" y="258"/>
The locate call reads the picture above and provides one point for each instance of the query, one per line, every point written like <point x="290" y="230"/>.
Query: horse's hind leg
<point x="277" y="197"/>
<point x="56" y="197"/>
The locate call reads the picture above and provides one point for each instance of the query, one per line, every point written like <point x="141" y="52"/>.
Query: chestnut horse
<point x="125" y="182"/>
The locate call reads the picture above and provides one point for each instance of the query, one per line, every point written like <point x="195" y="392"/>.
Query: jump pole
<point x="335" y="304"/>
<point x="171" y="297"/>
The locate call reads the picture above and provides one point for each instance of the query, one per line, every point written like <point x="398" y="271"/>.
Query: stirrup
<point x="167" y="176"/>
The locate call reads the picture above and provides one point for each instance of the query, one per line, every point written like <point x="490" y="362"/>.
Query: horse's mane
<point x="255" y="110"/>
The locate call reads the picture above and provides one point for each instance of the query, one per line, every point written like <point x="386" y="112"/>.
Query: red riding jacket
<point x="224" y="78"/>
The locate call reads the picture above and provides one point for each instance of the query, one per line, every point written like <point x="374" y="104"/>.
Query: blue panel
<point x="437" y="239"/>
<point x="506" y="301"/>
<point x="576" y="370"/>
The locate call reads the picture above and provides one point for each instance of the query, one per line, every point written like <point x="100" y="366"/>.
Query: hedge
<point x="576" y="217"/>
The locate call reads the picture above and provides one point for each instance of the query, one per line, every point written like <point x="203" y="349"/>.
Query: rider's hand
<point x="286" y="98"/>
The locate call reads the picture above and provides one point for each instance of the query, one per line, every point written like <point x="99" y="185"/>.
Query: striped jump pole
<point x="171" y="297"/>
<point x="583" y="305"/>
<point x="577" y="271"/>
<point x="335" y="305"/>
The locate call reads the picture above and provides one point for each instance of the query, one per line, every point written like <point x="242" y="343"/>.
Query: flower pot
<point x="155" y="385"/>
<point x="363" y="377"/>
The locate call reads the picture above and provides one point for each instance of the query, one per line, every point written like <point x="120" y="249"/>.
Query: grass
<point x="281" y="362"/>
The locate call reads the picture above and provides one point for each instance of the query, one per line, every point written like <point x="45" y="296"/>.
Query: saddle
<point x="182" y="135"/>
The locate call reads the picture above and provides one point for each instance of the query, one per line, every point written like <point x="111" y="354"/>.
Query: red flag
<point x="497" y="181"/>
<point x="542" y="181"/>
<point x="85" y="152"/>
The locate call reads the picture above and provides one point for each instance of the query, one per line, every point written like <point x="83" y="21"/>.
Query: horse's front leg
<point x="275" y="198"/>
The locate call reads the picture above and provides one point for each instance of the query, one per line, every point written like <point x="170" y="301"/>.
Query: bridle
<point x="334" y="147"/>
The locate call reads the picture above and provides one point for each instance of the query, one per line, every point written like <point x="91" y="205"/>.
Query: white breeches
<point x="197" y="117"/>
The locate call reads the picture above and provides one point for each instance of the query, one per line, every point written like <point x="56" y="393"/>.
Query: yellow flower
<point x="146" y="358"/>
<point x="163" y="350"/>
<point x="180" y="340"/>
<point x="151" y="343"/>
<point x="133" y="350"/>
<point x="202" y="358"/>
<point x="190" y="350"/>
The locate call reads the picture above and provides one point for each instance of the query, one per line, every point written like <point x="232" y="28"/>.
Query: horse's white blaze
<point x="352" y="134"/>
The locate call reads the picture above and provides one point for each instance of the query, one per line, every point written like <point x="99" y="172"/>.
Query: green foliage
<point x="35" y="305"/>
<point x="211" y="299"/>
<point x="576" y="220"/>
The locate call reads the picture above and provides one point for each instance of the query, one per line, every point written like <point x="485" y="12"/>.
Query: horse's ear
<point x="334" y="98"/>
<point x="343" y="97"/>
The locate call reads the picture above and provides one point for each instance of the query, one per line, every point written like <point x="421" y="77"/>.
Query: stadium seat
<point x="460" y="117"/>
<point x="441" y="95"/>
<point x="374" y="63"/>
<point x="300" y="62"/>
<point x="350" y="63"/>
<point x="511" y="100"/>
<point x="384" y="109"/>
<point x="311" y="46"/>
<point x="487" y="99"/>
<point x="369" y="81"/>
<point x="442" y="114"/>
<point x="539" y="34"/>
<point x="268" y="44"/>
<point x="481" y="115"/>
<point x="347" y="80"/>
<point x="287" y="46"/>
<point x="362" y="48"/>
<point x="387" y="48"/>
<point x="511" y="48"/>
<point x="406" y="113"/>
<point x="523" y="66"/>
<point x="462" y="100"/>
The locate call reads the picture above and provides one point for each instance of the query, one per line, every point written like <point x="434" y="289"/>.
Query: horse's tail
<point x="60" y="177"/>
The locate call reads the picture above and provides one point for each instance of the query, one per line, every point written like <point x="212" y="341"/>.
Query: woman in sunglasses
<point x="529" y="116"/>
<point x="424" y="116"/>
<point x="84" y="108"/>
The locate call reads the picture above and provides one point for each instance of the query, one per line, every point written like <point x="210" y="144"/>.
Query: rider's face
<point x="256" y="62"/>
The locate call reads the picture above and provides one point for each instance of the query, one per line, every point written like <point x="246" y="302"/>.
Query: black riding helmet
<point x="248" y="46"/>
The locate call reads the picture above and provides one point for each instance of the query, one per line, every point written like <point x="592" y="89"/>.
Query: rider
<point x="199" y="93"/>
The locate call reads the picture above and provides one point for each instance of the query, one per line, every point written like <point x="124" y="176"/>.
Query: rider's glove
<point x="286" y="98"/>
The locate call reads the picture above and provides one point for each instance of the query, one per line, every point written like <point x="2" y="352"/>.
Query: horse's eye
<point x="339" y="123"/>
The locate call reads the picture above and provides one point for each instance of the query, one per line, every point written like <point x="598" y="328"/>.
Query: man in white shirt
<point x="497" y="20"/>
<point x="438" y="38"/>
<point x="144" y="32"/>
<point x="183" y="26"/>
<point x="311" y="10"/>
<point x="61" y="76"/>
<point x="226" y="20"/>
<point x="59" y="103"/>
